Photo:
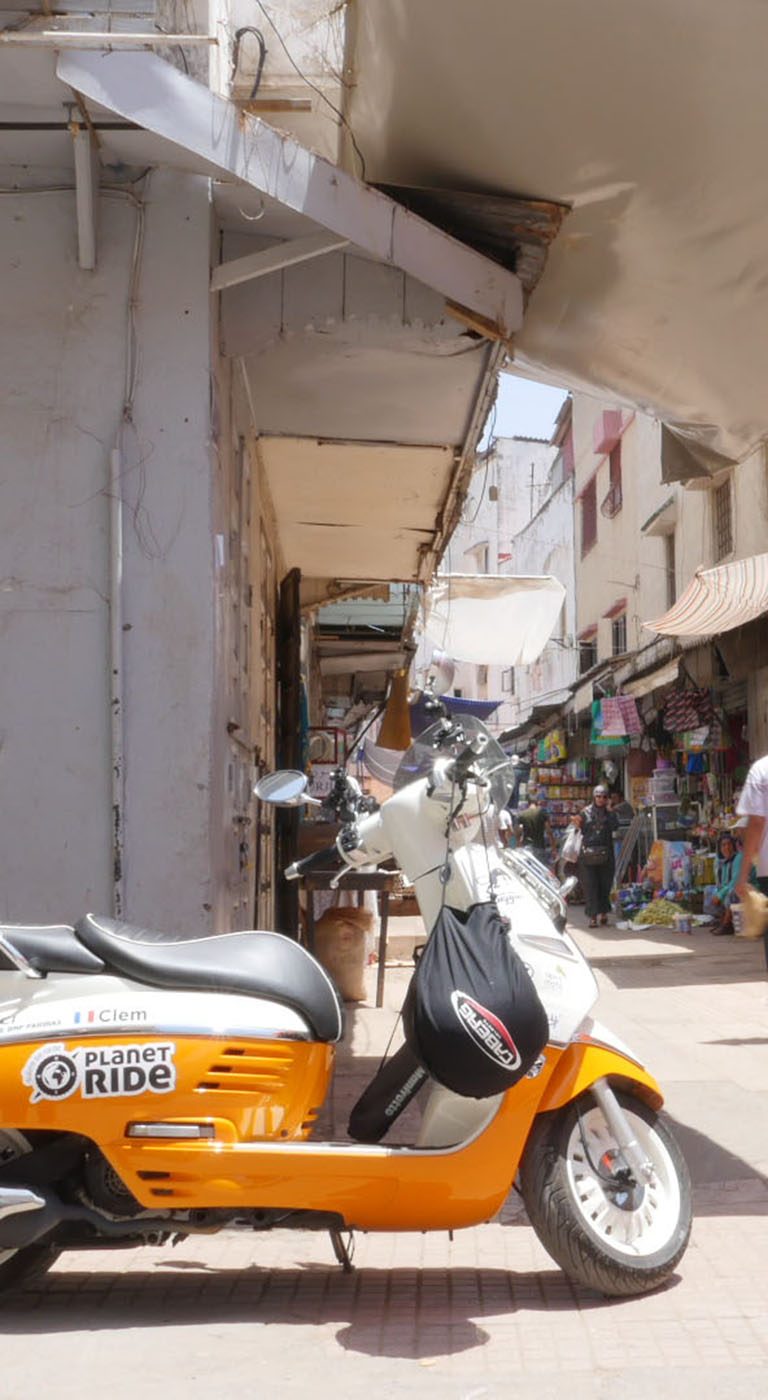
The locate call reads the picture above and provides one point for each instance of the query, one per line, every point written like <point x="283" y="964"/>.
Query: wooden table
<point x="381" y="881"/>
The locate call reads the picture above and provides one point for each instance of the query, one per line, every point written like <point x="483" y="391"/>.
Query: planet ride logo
<point x="486" y="1030"/>
<point x="55" y="1074"/>
<point x="104" y="1072"/>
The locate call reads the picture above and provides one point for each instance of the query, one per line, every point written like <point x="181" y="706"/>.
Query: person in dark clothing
<point x="625" y="814"/>
<point x="535" y="832"/>
<point x="624" y="810"/>
<point x="596" y="863"/>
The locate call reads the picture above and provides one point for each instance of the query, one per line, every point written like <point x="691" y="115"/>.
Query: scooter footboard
<point x="587" y="1059"/>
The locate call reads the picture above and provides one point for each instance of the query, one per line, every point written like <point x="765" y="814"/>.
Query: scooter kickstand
<point x="343" y="1249"/>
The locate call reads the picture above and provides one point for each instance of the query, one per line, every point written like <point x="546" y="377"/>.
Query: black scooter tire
<point x="21" y="1268"/>
<point x="25" y="1267"/>
<point x="559" y="1208"/>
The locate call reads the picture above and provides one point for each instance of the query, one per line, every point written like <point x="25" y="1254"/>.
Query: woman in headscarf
<point x="596" y="862"/>
<point x="727" y="872"/>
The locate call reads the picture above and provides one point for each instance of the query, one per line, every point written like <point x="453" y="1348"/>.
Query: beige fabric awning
<point x="686" y="452"/>
<point x="493" y="619"/>
<point x="718" y="599"/>
<point x="665" y="675"/>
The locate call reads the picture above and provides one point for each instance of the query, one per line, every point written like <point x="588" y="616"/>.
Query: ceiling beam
<point x="288" y="254"/>
<point x="154" y="95"/>
<point x="98" y="39"/>
<point x="362" y="660"/>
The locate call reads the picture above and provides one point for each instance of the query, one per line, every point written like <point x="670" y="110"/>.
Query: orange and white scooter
<point x="155" y="1086"/>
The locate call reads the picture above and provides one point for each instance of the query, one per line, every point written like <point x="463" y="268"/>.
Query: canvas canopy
<point x="718" y="599"/>
<point x="493" y="620"/>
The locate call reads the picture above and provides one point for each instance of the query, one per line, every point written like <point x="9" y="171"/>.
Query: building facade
<point x="233" y="389"/>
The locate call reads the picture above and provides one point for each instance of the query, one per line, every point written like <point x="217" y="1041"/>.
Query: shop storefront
<point x="683" y="781"/>
<point x="672" y="746"/>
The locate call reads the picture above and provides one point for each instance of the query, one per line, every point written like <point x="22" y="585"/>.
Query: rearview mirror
<point x="285" y="788"/>
<point x="440" y="673"/>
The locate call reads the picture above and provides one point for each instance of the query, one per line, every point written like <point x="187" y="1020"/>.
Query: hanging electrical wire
<point x="259" y="37"/>
<point x="316" y="89"/>
<point x="489" y="432"/>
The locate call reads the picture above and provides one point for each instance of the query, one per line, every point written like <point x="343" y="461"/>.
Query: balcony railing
<point x="611" y="504"/>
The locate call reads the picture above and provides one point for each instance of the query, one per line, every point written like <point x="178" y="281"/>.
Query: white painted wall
<point x="623" y="563"/>
<point x="62" y="365"/>
<point x="545" y="546"/>
<point x="312" y="51"/>
<point x="169" y="592"/>
<point x="518" y="518"/>
<point x="749" y="500"/>
<point x="524" y="467"/>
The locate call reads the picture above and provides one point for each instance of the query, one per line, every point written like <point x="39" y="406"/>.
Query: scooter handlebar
<point x="327" y="859"/>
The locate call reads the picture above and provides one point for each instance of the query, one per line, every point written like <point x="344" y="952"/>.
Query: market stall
<point x="673" y="758"/>
<point x="683" y="807"/>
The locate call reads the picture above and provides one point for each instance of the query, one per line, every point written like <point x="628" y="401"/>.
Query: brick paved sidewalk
<point x="476" y="1316"/>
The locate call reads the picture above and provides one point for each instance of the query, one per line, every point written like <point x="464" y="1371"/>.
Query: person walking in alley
<point x="534" y="830"/>
<point x="596" y="862"/>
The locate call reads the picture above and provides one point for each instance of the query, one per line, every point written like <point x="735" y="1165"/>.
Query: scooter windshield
<point x="436" y="742"/>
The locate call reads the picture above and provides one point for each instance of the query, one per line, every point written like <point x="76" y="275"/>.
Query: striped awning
<point x="718" y="599"/>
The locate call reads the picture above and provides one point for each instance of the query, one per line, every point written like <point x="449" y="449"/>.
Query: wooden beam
<point x="295" y="250"/>
<point x="154" y="95"/>
<point x="99" y="39"/>
<point x="275" y="104"/>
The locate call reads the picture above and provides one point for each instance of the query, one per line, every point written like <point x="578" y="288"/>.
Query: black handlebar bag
<point x="472" y="1015"/>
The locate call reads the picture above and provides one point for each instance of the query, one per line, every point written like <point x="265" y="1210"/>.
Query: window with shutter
<point x="587" y="652"/>
<point x="722" y="520"/>
<point x="619" y="635"/>
<point x="589" y="517"/>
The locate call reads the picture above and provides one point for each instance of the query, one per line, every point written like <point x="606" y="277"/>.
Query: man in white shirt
<point x="504" y="826"/>
<point x="753" y="804"/>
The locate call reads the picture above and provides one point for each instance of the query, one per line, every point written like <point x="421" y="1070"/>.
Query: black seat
<point x="48" y="948"/>
<point x="258" y="963"/>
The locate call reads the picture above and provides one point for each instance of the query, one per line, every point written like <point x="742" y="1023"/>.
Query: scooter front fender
<point x="588" y="1058"/>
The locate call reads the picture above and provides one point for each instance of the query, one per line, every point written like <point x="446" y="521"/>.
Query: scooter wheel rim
<point x="631" y="1233"/>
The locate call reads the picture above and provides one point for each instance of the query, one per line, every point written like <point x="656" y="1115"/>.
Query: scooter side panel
<point x="370" y="1187"/>
<point x="96" y="1005"/>
<point x="99" y="1085"/>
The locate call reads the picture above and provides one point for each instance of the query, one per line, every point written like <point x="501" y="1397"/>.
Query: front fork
<point x="618" y="1122"/>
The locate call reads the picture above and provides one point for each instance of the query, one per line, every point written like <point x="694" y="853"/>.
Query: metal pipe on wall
<point x="116" y="678"/>
<point x="116" y="562"/>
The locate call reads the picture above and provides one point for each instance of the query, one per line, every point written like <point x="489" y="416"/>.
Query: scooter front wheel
<point x="603" y="1227"/>
<point x="19" y="1268"/>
